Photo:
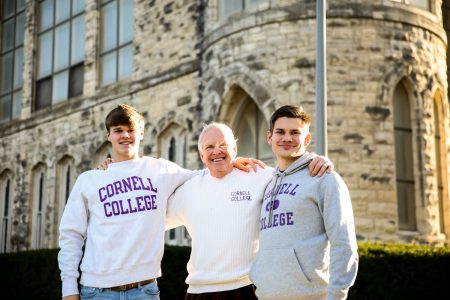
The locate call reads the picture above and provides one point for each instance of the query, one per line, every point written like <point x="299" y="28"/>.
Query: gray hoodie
<point x="307" y="245"/>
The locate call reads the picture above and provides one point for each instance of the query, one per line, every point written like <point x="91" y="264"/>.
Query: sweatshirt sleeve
<point x="72" y="233"/>
<point x="179" y="175"/>
<point x="340" y="228"/>
<point x="175" y="208"/>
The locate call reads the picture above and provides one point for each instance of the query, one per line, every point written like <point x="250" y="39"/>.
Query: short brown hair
<point x="126" y="115"/>
<point x="289" y="111"/>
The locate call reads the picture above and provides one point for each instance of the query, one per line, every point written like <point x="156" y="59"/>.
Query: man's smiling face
<point x="217" y="152"/>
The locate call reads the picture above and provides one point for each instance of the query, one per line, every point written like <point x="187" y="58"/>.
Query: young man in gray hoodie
<point x="307" y="237"/>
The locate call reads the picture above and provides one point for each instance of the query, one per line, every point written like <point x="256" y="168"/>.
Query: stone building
<point x="65" y="63"/>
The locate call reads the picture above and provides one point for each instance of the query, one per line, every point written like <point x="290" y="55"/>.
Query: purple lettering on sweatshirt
<point x="126" y="185"/>
<point x="278" y="220"/>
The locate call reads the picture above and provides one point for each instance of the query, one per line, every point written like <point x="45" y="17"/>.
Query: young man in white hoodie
<point x="307" y="242"/>
<point x="119" y="216"/>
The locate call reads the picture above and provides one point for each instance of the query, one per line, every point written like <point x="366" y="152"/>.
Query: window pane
<point x="62" y="46"/>
<point x="109" y="68"/>
<point x="230" y="7"/>
<point x="77" y="6"/>
<point x="126" y="21"/>
<point x="8" y="7"/>
<point x="20" y="5"/>
<point x="62" y="10"/>
<point x="125" y="61"/>
<point x="46" y="14"/>
<point x="45" y="54"/>
<point x="424" y="4"/>
<point x="76" y="79"/>
<point x="18" y="68"/>
<point x="109" y="26"/>
<point x="20" y="28"/>
<point x="6" y="72"/>
<point x="5" y="108"/>
<point x="78" y="37"/>
<point x="17" y="104"/>
<point x="60" y="87"/>
<point x="43" y="93"/>
<point x="8" y="35"/>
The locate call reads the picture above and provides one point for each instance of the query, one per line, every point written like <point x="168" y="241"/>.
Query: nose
<point x="125" y="133"/>
<point x="287" y="137"/>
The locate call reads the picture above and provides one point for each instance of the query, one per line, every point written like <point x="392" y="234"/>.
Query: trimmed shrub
<point x="386" y="271"/>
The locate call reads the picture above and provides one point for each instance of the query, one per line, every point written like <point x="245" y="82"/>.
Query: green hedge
<point x="386" y="271"/>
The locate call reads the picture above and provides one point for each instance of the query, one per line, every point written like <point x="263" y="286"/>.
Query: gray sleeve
<point x="340" y="228"/>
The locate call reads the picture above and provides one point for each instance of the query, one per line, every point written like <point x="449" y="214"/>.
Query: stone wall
<point x="189" y="65"/>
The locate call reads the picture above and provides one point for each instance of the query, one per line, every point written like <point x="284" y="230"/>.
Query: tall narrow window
<point x="251" y="133"/>
<point x="11" y="58"/>
<point x="117" y="40"/>
<point x="39" y="207"/>
<point x="173" y="147"/>
<point x="404" y="160"/>
<point x="61" y="51"/>
<point x="5" y="211"/>
<point x="65" y="178"/>
<point x="438" y="146"/>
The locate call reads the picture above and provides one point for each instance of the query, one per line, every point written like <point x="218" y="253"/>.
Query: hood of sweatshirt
<point x="301" y="163"/>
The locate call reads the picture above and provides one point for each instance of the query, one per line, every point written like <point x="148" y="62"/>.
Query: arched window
<point x="39" y="205"/>
<point x="439" y="148"/>
<point x="102" y="153"/>
<point x="404" y="160"/>
<point x="6" y="203"/>
<point x="173" y="147"/>
<point x="65" y="178"/>
<point x="251" y="133"/>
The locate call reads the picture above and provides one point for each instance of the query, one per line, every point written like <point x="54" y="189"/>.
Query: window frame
<point x="41" y="101"/>
<point x="13" y="90"/>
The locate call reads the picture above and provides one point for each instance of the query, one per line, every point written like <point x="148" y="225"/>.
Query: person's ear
<point x="308" y="139"/>
<point x="107" y="135"/>
<point x="269" y="137"/>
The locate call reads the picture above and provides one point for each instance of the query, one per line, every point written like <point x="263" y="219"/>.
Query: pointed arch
<point x="6" y="207"/>
<point x="246" y="107"/>
<point x="103" y="152"/>
<point x="172" y="144"/>
<point x="440" y="152"/>
<point x="404" y="159"/>
<point x="65" y="178"/>
<point x="38" y="205"/>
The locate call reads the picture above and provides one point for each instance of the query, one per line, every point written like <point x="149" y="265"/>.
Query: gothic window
<point x="102" y="153"/>
<point x="251" y="133"/>
<point x="117" y="40"/>
<point x="173" y="148"/>
<point x="404" y="163"/>
<point x="439" y="148"/>
<point x="60" y="71"/>
<point x="39" y="204"/>
<point x="230" y="7"/>
<point x="424" y="4"/>
<point x="11" y="58"/>
<point x="6" y="195"/>
<point x="65" y="177"/>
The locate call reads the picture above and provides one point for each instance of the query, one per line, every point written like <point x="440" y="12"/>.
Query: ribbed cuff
<point x="69" y="287"/>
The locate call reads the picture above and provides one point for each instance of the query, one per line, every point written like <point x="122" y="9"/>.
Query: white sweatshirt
<point x="222" y="217"/>
<point x="120" y="213"/>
